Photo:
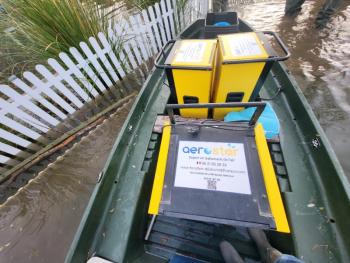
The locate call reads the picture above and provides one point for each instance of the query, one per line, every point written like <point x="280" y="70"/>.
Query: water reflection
<point x="39" y="222"/>
<point x="320" y="61"/>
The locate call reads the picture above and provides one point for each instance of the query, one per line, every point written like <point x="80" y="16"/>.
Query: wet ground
<point x="38" y="224"/>
<point x="320" y="61"/>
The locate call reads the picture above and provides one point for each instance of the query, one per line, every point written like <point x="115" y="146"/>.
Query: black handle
<point x="282" y="45"/>
<point x="260" y="106"/>
<point x="162" y="54"/>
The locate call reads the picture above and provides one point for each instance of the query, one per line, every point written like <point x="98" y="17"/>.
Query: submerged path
<point x="39" y="222"/>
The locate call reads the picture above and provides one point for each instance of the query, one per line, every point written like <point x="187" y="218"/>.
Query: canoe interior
<point x="314" y="188"/>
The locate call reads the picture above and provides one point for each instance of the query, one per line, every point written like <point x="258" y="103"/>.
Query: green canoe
<point x="314" y="188"/>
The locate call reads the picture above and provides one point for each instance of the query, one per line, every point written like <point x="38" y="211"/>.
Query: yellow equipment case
<point x="190" y="71"/>
<point x="217" y="172"/>
<point x="243" y="63"/>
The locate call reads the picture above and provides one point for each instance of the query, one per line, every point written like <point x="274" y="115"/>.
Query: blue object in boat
<point x="268" y="119"/>
<point x="222" y="23"/>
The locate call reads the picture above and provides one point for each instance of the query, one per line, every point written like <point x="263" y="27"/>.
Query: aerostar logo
<point x="229" y="150"/>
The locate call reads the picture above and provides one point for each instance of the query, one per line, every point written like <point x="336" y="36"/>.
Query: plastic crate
<point x="212" y="30"/>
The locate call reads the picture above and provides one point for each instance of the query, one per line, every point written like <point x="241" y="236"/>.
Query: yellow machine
<point x="237" y="72"/>
<point x="190" y="66"/>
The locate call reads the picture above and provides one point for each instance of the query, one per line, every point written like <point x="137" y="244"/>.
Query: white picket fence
<point x="32" y="106"/>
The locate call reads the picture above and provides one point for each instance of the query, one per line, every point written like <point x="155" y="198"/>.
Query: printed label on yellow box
<point x="190" y="52"/>
<point x="215" y="166"/>
<point x="244" y="45"/>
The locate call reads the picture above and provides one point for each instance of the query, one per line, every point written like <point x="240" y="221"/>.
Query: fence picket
<point x="111" y="54"/>
<point x="19" y="128"/>
<point x="164" y="18"/>
<point x="171" y="18"/>
<point x="180" y="15"/>
<point x="92" y="58"/>
<point x="18" y="140"/>
<point x="44" y="88"/>
<point x="4" y="159"/>
<point x="103" y="58"/>
<point x="156" y="44"/>
<point x="139" y="33"/>
<point x="131" y="41"/>
<point x="84" y="65"/>
<point x="23" y="116"/>
<point x="113" y="36"/>
<point x="20" y="100"/>
<point x="160" y="23"/>
<point x="8" y="162"/>
<point x="35" y="94"/>
<point x="147" y="37"/>
<point x="156" y="28"/>
<point x="67" y="77"/>
<point x="12" y="150"/>
<point x="55" y="82"/>
<point x="78" y="74"/>
<point x="120" y="31"/>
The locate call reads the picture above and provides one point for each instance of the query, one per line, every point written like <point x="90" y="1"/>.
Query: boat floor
<point x="199" y="240"/>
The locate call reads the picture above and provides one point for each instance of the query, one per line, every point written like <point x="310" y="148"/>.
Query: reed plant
<point x="140" y="4"/>
<point x="44" y="28"/>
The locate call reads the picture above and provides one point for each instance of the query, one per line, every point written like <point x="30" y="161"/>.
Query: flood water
<point x="320" y="61"/>
<point x="38" y="224"/>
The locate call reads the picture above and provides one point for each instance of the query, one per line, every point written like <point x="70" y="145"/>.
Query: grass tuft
<point x="34" y="30"/>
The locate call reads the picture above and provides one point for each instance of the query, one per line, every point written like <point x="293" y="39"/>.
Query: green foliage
<point x="140" y="4"/>
<point x="41" y="29"/>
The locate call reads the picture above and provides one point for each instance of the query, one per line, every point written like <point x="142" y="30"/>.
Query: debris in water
<point x="311" y="205"/>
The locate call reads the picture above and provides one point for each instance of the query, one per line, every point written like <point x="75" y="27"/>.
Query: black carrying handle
<point x="260" y="106"/>
<point x="282" y="45"/>
<point x="269" y="59"/>
<point x="162" y="54"/>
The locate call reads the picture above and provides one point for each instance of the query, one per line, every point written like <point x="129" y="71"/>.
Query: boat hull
<point x="314" y="188"/>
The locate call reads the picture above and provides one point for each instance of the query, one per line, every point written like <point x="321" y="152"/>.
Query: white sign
<point x="190" y="52"/>
<point x="245" y="45"/>
<point x="215" y="166"/>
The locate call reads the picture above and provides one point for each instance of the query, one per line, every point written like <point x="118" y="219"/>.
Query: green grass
<point x="44" y="28"/>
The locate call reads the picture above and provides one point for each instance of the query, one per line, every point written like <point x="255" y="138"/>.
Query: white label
<point x="245" y="45"/>
<point x="190" y="52"/>
<point x="212" y="166"/>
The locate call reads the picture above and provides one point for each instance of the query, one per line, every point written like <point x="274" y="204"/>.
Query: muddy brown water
<point x="38" y="224"/>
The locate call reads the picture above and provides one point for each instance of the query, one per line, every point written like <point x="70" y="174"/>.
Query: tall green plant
<point x="139" y="4"/>
<point x="44" y="28"/>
